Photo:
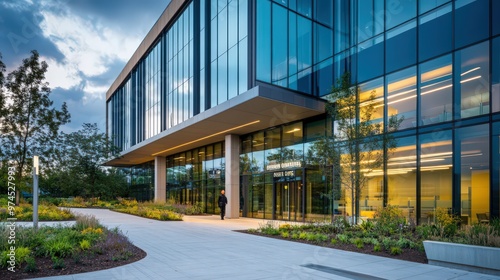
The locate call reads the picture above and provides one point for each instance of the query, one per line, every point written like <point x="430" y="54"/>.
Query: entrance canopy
<point x="259" y="108"/>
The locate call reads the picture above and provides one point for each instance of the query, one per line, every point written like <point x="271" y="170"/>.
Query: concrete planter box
<point x="467" y="257"/>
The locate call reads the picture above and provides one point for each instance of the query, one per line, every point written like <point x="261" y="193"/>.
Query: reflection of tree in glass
<point x="357" y="146"/>
<point x="248" y="165"/>
<point x="285" y="155"/>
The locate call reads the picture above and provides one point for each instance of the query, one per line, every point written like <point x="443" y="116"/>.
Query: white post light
<point x="35" y="191"/>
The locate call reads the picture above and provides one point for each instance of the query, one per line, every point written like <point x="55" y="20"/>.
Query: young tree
<point x="30" y="123"/>
<point x="358" y="145"/>
<point x="79" y="163"/>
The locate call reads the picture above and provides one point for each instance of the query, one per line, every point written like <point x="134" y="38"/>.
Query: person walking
<point x="222" y="204"/>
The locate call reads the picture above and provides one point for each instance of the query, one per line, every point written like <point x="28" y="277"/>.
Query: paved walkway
<point x="204" y="247"/>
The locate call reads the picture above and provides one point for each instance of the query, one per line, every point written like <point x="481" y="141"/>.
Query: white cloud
<point x="88" y="46"/>
<point x="63" y="75"/>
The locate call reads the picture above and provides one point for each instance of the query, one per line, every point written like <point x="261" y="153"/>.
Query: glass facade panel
<point x="371" y="59"/>
<point x="436" y="90"/>
<point x="495" y="78"/>
<point x="472" y="80"/>
<point x="401" y="44"/>
<point x="341" y="26"/>
<point x="195" y="177"/>
<point x="471" y="21"/>
<point x="474" y="172"/>
<point x="495" y="19"/>
<point x="402" y="176"/>
<point x="435" y="174"/>
<point x="263" y="41"/>
<point x="435" y="32"/>
<point x="402" y="97"/>
<point x="279" y="43"/>
<point x="398" y="12"/>
<point x="370" y="19"/>
<point x="426" y="6"/>
<point x="373" y="88"/>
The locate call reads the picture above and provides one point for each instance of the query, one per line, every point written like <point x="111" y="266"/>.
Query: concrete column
<point x="160" y="179"/>
<point x="232" y="146"/>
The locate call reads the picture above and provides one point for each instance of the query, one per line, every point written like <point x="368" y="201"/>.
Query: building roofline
<point x="166" y="17"/>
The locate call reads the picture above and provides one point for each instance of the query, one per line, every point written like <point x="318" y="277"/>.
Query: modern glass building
<point x="230" y="95"/>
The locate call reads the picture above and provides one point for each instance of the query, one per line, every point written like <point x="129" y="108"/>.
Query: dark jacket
<point x="222" y="200"/>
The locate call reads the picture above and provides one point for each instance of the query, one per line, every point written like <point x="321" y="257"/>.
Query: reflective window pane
<point x="222" y="78"/>
<point x="370" y="19"/>
<point x="304" y="43"/>
<point x="279" y="45"/>
<point x="401" y="176"/>
<point x="324" y="11"/>
<point x="397" y="12"/>
<point x="428" y="5"/>
<point x="495" y="63"/>
<point x="471" y="21"/>
<point x="436" y="90"/>
<point x="472" y="80"/>
<point x="372" y="93"/>
<point x="402" y="97"/>
<point x="495" y="17"/>
<point x="401" y="47"/>
<point x="371" y="59"/>
<point x="263" y="47"/>
<point x="323" y="43"/>
<point x="474" y="171"/>
<point x="435" y="33"/>
<point x="435" y="166"/>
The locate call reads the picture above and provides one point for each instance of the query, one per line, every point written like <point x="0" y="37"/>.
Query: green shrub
<point x="123" y="255"/>
<point x="367" y="225"/>
<point x="389" y="220"/>
<point x="388" y="242"/>
<point x="404" y="243"/>
<point x="285" y="234"/>
<point x="447" y="223"/>
<point x="269" y="228"/>
<point x="333" y="241"/>
<point x="343" y="238"/>
<point x="396" y="251"/>
<point x="303" y="235"/>
<point x="58" y="247"/>
<point x="31" y="265"/>
<point x="21" y="254"/>
<point x="358" y="242"/>
<point x="58" y="263"/>
<point x="84" y="244"/>
<point x="86" y="221"/>
<point x="377" y="248"/>
<point x="339" y="224"/>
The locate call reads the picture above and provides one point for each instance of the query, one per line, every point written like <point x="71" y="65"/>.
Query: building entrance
<point x="287" y="199"/>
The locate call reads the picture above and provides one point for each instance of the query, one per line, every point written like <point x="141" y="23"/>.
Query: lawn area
<point x="49" y="251"/>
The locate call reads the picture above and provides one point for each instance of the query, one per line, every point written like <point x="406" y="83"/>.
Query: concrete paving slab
<point x="205" y="247"/>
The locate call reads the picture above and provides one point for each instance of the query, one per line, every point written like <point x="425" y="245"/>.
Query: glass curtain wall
<point x="141" y="181"/>
<point x="298" y="44"/>
<point x="197" y="176"/>
<point x="228" y="49"/>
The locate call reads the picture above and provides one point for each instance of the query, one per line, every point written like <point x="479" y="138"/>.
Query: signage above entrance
<point x="284" y="165"/>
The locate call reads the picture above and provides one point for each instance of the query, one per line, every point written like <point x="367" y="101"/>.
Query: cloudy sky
<point x="86" y="44"/>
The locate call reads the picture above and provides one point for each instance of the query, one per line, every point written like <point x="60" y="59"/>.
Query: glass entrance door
<point x="286" y="200"/>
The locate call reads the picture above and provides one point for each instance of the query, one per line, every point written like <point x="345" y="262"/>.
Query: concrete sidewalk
<point x="205" y="247"/>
